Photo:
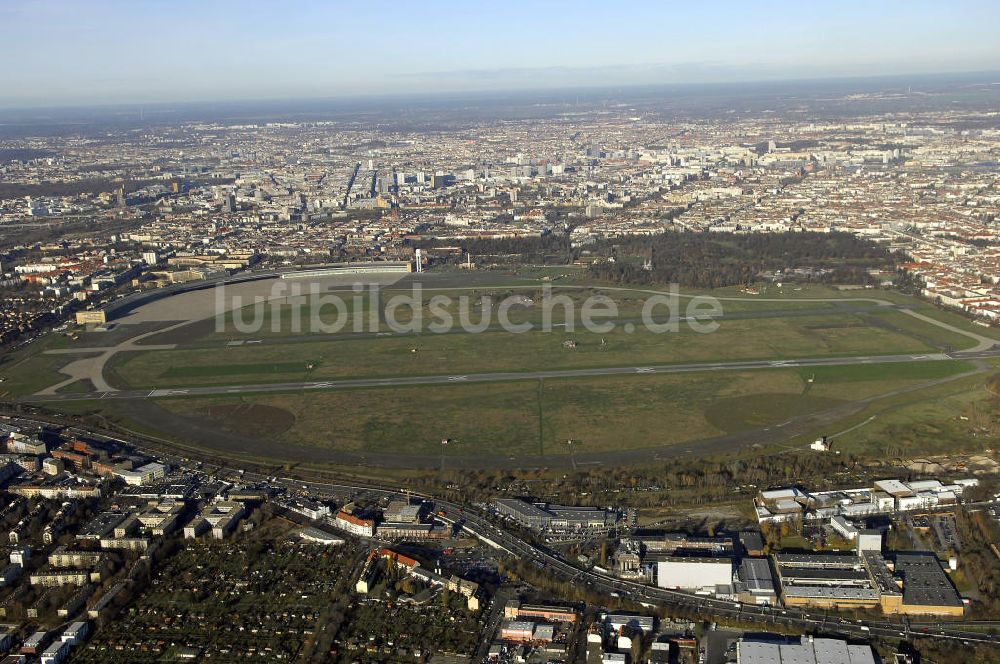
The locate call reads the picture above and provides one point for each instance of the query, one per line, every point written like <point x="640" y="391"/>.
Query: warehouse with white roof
<point x="808" y="650"/>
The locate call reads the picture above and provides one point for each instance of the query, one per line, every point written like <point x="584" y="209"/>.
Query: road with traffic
<point x="492" y="532"/>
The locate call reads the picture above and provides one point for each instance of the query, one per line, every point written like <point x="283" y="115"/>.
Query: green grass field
<point x="460" y="353"/>
<point x="201" y="370"/>
<point x="33" y="373"/>
<point x="316" y="315"/>
<point x="502" y="418"/>
<point x="956" y="417"/>
<point x="531" y="417"/>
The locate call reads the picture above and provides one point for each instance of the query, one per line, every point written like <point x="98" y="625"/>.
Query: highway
<point x="495" y="535"/>
<point x="450" y="379"/>
<point x="830" y="625"/>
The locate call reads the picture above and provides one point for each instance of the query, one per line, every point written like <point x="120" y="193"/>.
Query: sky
<point x="81" y="52"/>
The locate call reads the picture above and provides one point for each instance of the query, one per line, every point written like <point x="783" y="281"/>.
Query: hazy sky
<point x="108" y="51"/>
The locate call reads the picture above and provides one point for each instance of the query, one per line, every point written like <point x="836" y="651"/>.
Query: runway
<point x="451" y="379"/>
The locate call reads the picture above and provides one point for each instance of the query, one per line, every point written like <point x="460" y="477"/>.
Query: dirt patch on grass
<point x="761" y="410"/>
<point x="247" y="419"/>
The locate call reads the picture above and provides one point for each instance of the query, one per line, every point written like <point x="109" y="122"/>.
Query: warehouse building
<point x="559" y="518"/>
<point x="703" y="574"/>
<point x="825" y="580"/>
<point x="807" y="650"/>
<point x="514" y="610"/>
<point x="883" y="497"/>
<point x="524" y="513"/>
<point x="909" y="584"/>
<point x="755" y="583"/>
<point x="927" y="590"/>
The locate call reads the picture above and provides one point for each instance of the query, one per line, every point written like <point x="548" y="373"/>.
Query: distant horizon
<point x="67" y="53"/>
<point x="527" y="93"/>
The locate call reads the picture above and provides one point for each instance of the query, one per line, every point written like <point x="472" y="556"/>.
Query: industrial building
<point x="844" y="528"/>
<point x="403" y="511"/>
<point x="927" y="590"/>
<point x="807" y="650"/>
<point x="697" y="573"/>
<point x="883" y="497"/>
<point x="680" y="543"/>
<point x="514" y="610"/>
<point x="615" y="622"/>
<point x="908" y="583"/>
<point x="825" y="580"/>
<point x="517" y="630"/>
<point x="557" y="518"/>
<point x="755" y="582"/>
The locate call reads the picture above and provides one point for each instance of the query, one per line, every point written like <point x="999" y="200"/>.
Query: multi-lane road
<point x="446" y="379"/>
<point x="821" y="623"/>
<point x="493" y="533"/>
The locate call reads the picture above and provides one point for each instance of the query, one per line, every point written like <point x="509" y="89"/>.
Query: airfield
<point x="785" y="365"/>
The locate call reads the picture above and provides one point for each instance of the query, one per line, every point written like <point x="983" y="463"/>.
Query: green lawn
<point x="873" y="372"/>
<point x="431" y="354"/>
<point x="222" y="370"/>
<point x="928" y="332"/>
<point x="529" y="417"/>
<point x="34" y="373"/>
<point x="503" y="418"/>
<point x="598" y="414"/>
<point x="316" y="315"/>
<point x="951" y="418"/>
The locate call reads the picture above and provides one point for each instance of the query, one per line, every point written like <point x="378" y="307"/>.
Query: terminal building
<point x="374" y="267"/>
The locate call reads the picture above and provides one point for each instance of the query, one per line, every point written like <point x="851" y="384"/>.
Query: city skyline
<point x="444" y="334"/>
<point x="116" y="52"/>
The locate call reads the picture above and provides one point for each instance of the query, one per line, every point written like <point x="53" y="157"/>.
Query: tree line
<point x="713" y="260"/>
<point x="698" y="260"/>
